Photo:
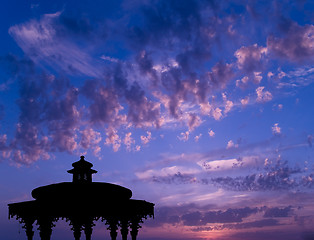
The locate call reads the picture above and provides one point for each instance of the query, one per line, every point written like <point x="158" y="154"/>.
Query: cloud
<point x="48" y="119"/>
<point x="210" y="110"/>
<point x="245" y="101"/>
<point x="169" y="175"/>
<point x="278" y="212"/>
<point x="228" y="164"/>
<point x="146" y="139"/>
<point x="276" y="129"/>
<point x="44" y="41"/>
<point x="192" y="219"/>
<point x="299" y="77"/>
<point x="91" y="139"/>
<point x="231" y="144"/>
<point x="263" y="96"/>
<point x="221" y="74"/>
<point x="217" y="114"/>
<point x="142" y="111"/>
<point x="255" y="224"/>
<point x="184" y="136"/>
<point x="105" y="106"/>
<point x="111" y="59"/>
<point x="296" y="45"/>
<point x="250" y="58"/>
<point x="64" y="118"/>
<point x="168" y="74"/>
<point x="211" y="133"/>
<point x="113" y="139"/>
<point x="193" y="121"/>
<point x="257" y="77"/>
<point x="230" y="215"/>
<point x="228" y="104"/>
<point x="28" y="146"/>
<point x="277" y="177"/>
<point x="177" y="178"/>
<point x="209" y="218"/>
<point x="128" y="141"/>
<point x="165" y="23"/>
<point x="196" y="138"/>
<point x="172" y="214"/>
<point x="194" y="215"/>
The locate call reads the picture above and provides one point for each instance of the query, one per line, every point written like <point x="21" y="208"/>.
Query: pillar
<point x="88" y="229"/>
<point x="77" y="231"/>
<point x="28" y="225"/>
<point x="113" y="227"/>
<point x="76" y="228"/>
<point x="124" y="229"/>
<point x="134" y="228"/>
<point x="45" y="228"/>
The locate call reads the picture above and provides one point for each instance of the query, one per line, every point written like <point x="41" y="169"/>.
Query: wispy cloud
<point x="42" y="41"/>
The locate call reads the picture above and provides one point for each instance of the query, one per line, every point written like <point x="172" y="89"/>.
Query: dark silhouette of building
<point x="82" y="202"/>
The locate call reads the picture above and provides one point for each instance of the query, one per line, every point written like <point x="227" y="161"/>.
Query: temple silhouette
<point x="82" y="202"/>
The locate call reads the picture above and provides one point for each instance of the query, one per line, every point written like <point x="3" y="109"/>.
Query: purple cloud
<point x="278" y="212"/>
<point x="278" y="177"/>
<point x="296" y="45"/>
<point x="48" y="115"/>
<point x="177" y="178"/>
<point x="105" y="106"/>
<point x="232" y="218"/>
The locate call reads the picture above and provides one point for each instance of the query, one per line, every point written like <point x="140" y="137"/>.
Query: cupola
<point x="82" y="171"/>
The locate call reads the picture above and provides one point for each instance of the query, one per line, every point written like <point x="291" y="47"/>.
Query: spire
<point x="82" y="171"/>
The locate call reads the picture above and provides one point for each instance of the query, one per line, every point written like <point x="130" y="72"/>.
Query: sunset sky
<point x="205" y="108"/>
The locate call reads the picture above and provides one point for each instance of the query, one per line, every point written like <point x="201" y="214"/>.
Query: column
<point x="134" y="228"/>
<point x="28" y="225"/>
<point x="124" y="229"/>
<point x="45" y="228"/>
<point x="76" y="228"/>
<point x="113" y="227"/>
<point x="88" y="229"/>
<point x="77" y="231"/>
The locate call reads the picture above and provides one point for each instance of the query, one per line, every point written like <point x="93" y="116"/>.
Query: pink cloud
<point x="113" y="139"/>
<point x="184" y="136"/>
<point x="211" y="133"/>
<point x="231" y="144"/>
<point x="249" y="58"/>
<point x="146" y="139"/>
<point x="91" y="139"/>
<point x="276" y="129"/>
<point x="128" y="141"/>
<point x="193" y="121"/>
<point x="263" y="96"/>
<point x="245" y="101"/>
<point x="196" y="138"/>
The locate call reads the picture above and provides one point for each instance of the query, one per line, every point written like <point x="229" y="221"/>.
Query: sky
<point x="202" y="107"/>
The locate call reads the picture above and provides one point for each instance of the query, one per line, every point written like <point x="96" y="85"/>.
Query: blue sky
<point x="202" y="107"/>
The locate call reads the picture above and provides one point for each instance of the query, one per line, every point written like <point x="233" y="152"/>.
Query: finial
<point x="82" y="158"/>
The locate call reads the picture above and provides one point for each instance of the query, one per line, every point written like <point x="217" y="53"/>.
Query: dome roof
<point x="82" y="187"/>
<point x="72" y="191"/>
